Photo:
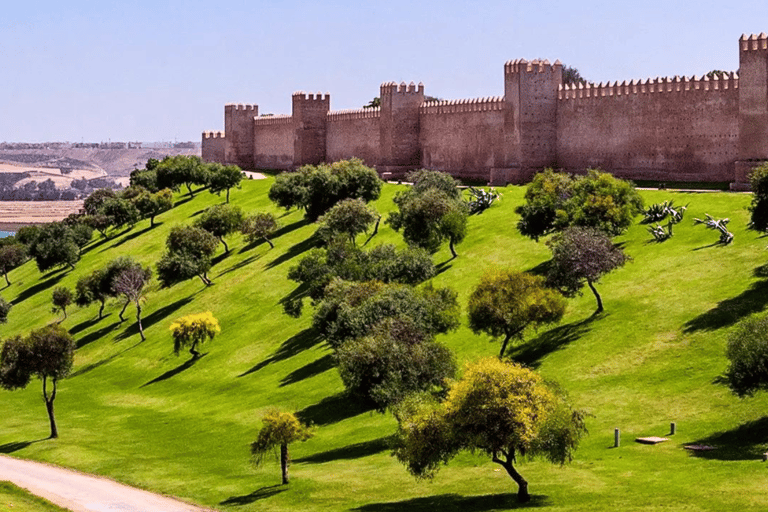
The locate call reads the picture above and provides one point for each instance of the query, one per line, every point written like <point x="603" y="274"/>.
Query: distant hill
<point x="114" y="162"/>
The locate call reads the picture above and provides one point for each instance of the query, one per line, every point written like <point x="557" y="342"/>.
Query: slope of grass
<point x="137" y="413"/>
<point x="13" y="498"/>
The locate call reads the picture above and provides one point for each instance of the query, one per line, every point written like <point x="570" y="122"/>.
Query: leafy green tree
<point x="47" y="354"/>
<point x="96" y="200"/>
<point x="507" y="303"/>
<point x="193" y="330"/>
<point x="352" y="310"/>
<point x="221" y="220"/>
<point x="572" y="76"/>
<point x="224" y="177"/>
<point x="759" y="207"/>
<point x="174" y="171"/>
<point x="120" y="212"/>
<point x="82" y="233"/>
<point x="26" y="235"/>
<point x="5" y="308"/>
<point x="582" y="255"/>
<point x="99" y="222"/>
<point x="131" y="283"/>
<point x="259" y="226"/>
<point x="279" y="429"/>
<point x="54" y="246"/>
<point x="555" y="201"/>
<point x="11" y="256"/>
<point x="395" y="360"/>
<point x="747" y="352"/>
<point x="316" y="188"/>
<point x="62" y="298"/>
<point x="90" y="289"/>
<point x="189" y="254"/>
<point x="348" y="217"/>
<point x="153" y="204"/>
<point x="145" y="178"/>
<point x="498" y="408"/>
<point x="431" y="211"/>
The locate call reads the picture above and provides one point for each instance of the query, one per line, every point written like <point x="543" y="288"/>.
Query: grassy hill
<point x="135" y="412"/>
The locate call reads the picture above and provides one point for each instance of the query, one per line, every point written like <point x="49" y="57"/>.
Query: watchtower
<point x="400" y="125"/>
<point x="238" y="130"/>
<point x="310" y="117"/>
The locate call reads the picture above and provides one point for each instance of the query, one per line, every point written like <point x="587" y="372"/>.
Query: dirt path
<point x="79" y="492"/>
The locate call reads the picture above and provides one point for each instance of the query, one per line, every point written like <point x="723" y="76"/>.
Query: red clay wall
<point x="273" y="142"/>
<point x="677" y="130"/>
<point x="213" y="146"/>
<point x="465" y="137"/>
<point x="354" y="133"/>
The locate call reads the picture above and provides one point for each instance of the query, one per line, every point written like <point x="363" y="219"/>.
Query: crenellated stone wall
<point x="711" y="128"/>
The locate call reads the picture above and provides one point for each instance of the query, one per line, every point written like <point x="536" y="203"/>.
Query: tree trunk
<point x="5" y="273"/>
<point x="123" y="310"/>
<point x="49" y="406"/>
<point x="226" y="247"/>
<point x="504" y="345"/>
<point x="597" y="296"/>
<point x="227" y="196"/>
<point x="522" y="483"/>
<point x="271" y="245"/>
<point x="138" y="319"/>
<point x="284" y="462"/>
<point x="151" y="221"/>
<point x="376" y="227"/>
<point x="193" y="351"/>
<point x="189" y="187"/>
<point x="453" y="250"/>
<point x="101" y="310"/>
<point x="204" y="278"/>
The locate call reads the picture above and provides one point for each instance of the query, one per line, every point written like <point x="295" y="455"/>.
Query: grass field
<point x="14" y="499"/>
<point x="136" y="413"/>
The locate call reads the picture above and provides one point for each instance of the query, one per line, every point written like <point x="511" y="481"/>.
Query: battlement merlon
<point x="303" y="96"/>
<point x="753" y="42"/>
<point x="718" y="82"/>
<point x="239" y="107"/>
<point x="390" y="88"/>
<point x="534" y="66"/>
<point x="213" y="135"/>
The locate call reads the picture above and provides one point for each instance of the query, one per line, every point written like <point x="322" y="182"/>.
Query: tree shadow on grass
<point x="730" y="311"/>
<point x="95" y="335"/>
<point x="240" y="265"/>
<point x="91" y="246"/>
<point x="457" y="503"/>
<point x="745" y="442"/>
<point x="115" y="236"/>
<point x="154" y="317"/>
<point x="54" y="278"/>
<point x="130" y="237"/>
<point x="85" y="324"/>
<point x="92" y="366"/>
<point x="316" y="367"/>
<point x="277" y="234"/>
<point x="352" y="451"/>
<point x="294" y="345"/>
<point x="172" y="373"/>
<point x="259" y="494"/>
<point x="294" y="251"/>
<point x="443" y="267"/>
<point x="534" y="350"/>
<point x="18" y="445"/>
<point x="333" y="409"/>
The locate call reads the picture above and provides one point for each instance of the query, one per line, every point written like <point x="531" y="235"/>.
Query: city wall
<point x="668" y="129"/>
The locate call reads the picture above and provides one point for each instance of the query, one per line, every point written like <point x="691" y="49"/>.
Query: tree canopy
<point x="758" y="179"/>
<point x="348" y="218"/>
<point x="507" y="302"/>
<point x="223" y="178"/>
<point x="47" y="354"/>
<point x="259" y="226"/>
<point x="556" y="200"/>
<point x="498" y="408"/>
<point x="221" y="220"/>
<point x="174" y="171"/>
<point x="189" y="253"/>
<point x="316" y="188"/>
<point x="278" y="430"/>
<point x="193" y="330"/>
<point x="582" y="255"/>
<point x="747" y="352"/>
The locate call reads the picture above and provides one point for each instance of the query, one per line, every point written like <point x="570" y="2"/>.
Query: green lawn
<point x="136" y="413"/>
<point x="15" y="499"/>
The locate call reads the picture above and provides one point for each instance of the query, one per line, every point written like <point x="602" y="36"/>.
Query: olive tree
<point x="582" y="255"/>
<point x="5" y="308"/>
<point x="223" y="178"/>
<point x="174" y="171"/>
<point x="130" y="283"/>
<point x="62" y="298"/>
<point x="498" y="408"/>
<point x="507" y="302"/>
<point x="220" y="220"/>
<point x="278" y="430"/>
<point x="747" y="353"/>
<point x="153" y="204"/>
<point x="47" y="354"/>
<point x="348" y="218"/>
<point x="11" y="256"/>
<point x="259" y="226"/>
<point x="759" y="207"/>
<point x="193" y="330"/>
<point x="189" y="252"/>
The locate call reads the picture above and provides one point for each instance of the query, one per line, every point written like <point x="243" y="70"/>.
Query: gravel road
<point x="84" y="493"/>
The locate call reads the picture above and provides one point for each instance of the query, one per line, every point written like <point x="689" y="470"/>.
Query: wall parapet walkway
<point x="464" y="105"/>
<point x="718" y="82"/>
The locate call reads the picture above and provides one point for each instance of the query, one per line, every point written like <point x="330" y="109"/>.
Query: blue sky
<point x="163" y="70"/>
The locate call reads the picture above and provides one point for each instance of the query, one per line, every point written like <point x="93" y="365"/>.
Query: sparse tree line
<point x="375" y="307"/>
